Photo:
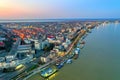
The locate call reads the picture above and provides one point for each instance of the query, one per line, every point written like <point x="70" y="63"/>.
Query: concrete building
<point x="23" y="51"/>
<point x="44" y="44"/>
<point x="9" y="58"/>
<point x="48" y="56"/>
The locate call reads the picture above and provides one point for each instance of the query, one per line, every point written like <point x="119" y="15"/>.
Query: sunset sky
<point x="52" y="9"/>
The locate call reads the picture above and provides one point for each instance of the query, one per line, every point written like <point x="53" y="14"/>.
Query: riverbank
<point x="77" y="36"/>
<point x="80" y="35"/>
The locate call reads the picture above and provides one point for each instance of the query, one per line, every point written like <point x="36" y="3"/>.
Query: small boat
<point x="59" y="66"/>
<point x="89" y="31"/>
<point x="76" y="56"/>
<point x="82" y="46"/>
<point x="69" y="61"/>
<point x="77" y="52"/>
<point x="78" y="45"/>
<point x="48" y="71"/>
<point x="83" y="42"/>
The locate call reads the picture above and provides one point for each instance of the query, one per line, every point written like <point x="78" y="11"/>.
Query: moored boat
<point x="77" y="52"/>
<point x="82" y="46"/>
<point x="59" y="66"/>
<point x="76" y="56"/>
<point x="83" y="42"/>
<point x="48" y="71"/>
<point x="69" y="61"/>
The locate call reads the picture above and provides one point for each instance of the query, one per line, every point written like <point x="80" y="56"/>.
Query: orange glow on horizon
<point x="9" y="9"/>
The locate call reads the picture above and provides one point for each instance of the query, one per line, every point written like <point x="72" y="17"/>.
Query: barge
<point x="48" y="71"/>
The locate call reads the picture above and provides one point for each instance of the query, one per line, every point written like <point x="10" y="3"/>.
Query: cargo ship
<point x="48" y="71"/>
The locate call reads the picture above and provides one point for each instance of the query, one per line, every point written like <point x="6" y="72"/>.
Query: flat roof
<point x="1" y="39"/>
<point x="20" y="47"/>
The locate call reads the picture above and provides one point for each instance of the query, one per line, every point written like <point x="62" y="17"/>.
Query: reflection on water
<point x="99" y="59"/>
<point x="52" y="76"/>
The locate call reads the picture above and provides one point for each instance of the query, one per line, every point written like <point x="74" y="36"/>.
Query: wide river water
<point x="99" y="59"/>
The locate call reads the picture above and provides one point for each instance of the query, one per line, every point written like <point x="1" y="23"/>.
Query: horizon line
<point x="54" y="18"/>
<point x="58" y="20"/>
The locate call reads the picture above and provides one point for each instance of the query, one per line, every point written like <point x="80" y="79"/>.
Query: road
<point x="15" y="46"/>
<point x="9" y="75"/>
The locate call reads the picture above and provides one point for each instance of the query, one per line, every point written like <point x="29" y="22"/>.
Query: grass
<point x="31" y="68"/>
<point x="36" y="77"/>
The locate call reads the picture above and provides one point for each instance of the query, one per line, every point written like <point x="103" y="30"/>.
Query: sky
<point x="57" y="9"/>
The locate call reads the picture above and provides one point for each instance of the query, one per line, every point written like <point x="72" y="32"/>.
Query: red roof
<point x="1" y="44"/>
<point x="50" y="36"/>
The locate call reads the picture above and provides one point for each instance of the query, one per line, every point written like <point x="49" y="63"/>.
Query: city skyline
<point x="57" y="9"/>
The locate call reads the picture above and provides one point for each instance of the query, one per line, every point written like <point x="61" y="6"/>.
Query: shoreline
<point x="70" y="48"/>
<point x="80" y="35"/>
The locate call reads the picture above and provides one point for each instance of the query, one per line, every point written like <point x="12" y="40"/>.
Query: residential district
<point x="27" y="48"/>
